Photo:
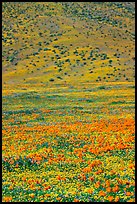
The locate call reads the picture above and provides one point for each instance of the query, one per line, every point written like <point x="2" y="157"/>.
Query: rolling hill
<point x="67" y="43"/>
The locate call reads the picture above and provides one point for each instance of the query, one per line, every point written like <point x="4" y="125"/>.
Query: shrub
<point x="51" y="79"/>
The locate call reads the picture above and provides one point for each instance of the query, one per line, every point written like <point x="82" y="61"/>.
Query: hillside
<point x="67" y="43"/>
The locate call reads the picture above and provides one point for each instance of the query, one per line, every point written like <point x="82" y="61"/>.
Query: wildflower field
<point x="68" y="102"/>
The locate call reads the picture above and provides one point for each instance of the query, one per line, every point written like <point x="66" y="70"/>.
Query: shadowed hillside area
<point x="68" y="101"/>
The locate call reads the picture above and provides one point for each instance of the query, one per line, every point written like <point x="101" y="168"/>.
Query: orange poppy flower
<point x="120" y="181"/>
<point x="48" y="195"/>
<point x="108" y="189"/>
<point x="102" y="193"/>
<point x="116" y="198"/>
<point x="91" y="178"/>
<point x="90" y="191"/>
<point x="115" y="189"/>
<point x="128" y="193"/>
<point x="98" y="172"/>
<point x="87" y="169"/>
<point x="58" y="198"/>
<point x="131" y="165"/>
<point x="76" y="200"/>
<point x="107" y="183"/>
<point x="17" y="166"/>
<point x="32" y="195"/>
<point x="37" y="181"/>
<point x="84" y="178"/>
<point x="24" y="178"/>
<point x="131" y="200"/>
<point x="11" y="161"/>
<point x="3" y="148"/>
<point x="47" y="187"/>
<point x="10" y="187"/>
<point x="110" y="198"/>
<point x="58" y="177"/>
<point x="7" y="199"/>
<point x="97" y="184"/>
<point x="63" y="179"/>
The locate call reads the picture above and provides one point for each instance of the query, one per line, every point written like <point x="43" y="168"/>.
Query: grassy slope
<point x="77" y="29"/>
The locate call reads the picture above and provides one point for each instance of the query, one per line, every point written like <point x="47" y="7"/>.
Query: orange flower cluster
<point x="77" y="146"/>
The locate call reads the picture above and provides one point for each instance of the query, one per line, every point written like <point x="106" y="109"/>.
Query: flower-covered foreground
<point x="71" y="149"/>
